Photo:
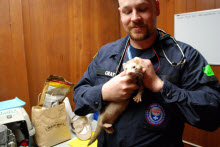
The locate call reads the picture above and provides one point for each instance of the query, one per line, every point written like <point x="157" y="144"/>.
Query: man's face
<point x="139" y="17"/>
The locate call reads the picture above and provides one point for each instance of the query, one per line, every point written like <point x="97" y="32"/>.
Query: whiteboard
<point x="201" y="30"/>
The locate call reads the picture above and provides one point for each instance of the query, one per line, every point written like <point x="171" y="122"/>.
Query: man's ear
<point x="158" y="7"/>
<point x="119" y="9"/>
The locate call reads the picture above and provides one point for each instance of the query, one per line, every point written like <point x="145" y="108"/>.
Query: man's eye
<point x="126" y="11"/>
<point x="142" y="9"/>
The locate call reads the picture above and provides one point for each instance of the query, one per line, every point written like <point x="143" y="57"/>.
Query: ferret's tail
<point x="97" y="133"/>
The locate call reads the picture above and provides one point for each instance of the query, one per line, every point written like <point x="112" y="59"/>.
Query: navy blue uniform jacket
<point x="191" y="94"/>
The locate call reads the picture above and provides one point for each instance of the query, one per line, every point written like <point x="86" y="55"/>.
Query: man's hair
<point x="153" y="0"/>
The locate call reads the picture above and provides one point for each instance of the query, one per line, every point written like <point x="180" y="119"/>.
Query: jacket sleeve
<point x="198" y="96"/>
<point x="86" y="95"/>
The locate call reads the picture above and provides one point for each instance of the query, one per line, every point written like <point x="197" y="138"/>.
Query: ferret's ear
<point x="136" y="60"/>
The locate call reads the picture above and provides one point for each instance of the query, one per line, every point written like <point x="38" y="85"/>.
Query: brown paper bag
<point x="51" y="125"/>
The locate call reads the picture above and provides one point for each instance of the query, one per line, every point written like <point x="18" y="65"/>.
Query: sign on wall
<point x="201" y="30"/>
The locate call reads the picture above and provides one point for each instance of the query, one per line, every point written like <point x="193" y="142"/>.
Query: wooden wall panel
<point x="62" y="37"/>
<point x="47" y="46"/>
<point x="201" y="137"/>
<point x="162" y="18"/>
<point x="205" y="5"/>
<point x="191" y="5"/>
<point x="13" y="79"/>
<point x="180" y="6"/>
<point x="216" y="70"/>
<point x="59" y="37"/>
<point x="91" y="27"/>
<point x="217" y="4"/>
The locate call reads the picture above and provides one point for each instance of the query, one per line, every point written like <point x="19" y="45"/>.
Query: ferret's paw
<point x="106" y="125"/>
<point x="109" y="130"/>
<point x="137" y="99"/>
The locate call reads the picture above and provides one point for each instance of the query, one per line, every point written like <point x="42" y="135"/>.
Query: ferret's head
<point x="132" y="67"/>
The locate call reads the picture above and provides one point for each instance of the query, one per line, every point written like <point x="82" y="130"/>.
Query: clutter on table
<point x="16" y="128"/>
<point x="50" y="117"/>
<point x="81" y="126"/>
<point x="82" y="143"/>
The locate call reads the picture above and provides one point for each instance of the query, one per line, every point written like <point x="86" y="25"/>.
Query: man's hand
<point x="151" y="80"/>
<point x="119" y="88"/>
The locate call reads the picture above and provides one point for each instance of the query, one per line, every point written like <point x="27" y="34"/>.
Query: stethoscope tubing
<point x="165" y="36"/>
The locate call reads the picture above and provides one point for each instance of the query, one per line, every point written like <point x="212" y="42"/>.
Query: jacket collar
<point x="119" y="46"/>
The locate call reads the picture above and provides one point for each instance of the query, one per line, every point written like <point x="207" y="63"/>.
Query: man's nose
<point x="135" y="16"/>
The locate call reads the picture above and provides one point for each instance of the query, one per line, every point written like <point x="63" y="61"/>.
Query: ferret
<point x="111" y="112"/>
<point x="133" y="68"/>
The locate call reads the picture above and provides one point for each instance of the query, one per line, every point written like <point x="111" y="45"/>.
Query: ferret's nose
<point x="129" y="73"/>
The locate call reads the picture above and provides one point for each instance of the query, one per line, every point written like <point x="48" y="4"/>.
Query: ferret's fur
<point x="111" y="112"/>
<point x="133" y="68"/>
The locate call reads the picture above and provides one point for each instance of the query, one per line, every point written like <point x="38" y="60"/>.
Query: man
<point x="173" y="95"/>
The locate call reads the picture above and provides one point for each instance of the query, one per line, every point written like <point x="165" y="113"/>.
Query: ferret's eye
<point x="133" y="66"/>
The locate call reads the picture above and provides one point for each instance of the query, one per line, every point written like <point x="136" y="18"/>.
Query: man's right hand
<point x="119" y="88"/>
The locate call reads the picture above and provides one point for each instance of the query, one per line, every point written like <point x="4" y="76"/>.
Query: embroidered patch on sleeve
<point x="208" y="70"/>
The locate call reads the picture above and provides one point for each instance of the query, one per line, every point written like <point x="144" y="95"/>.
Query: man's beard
<point x="140" y="37"/>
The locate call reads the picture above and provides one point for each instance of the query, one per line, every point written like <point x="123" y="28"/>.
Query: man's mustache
<point x="133" y="25"/>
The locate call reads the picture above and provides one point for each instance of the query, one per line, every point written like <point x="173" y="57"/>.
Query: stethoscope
<point x="163" y="36"/>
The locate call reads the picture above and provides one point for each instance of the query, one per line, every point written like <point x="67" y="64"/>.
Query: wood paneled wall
<point x="60" y="37"/>
<point x="13" y="71"/>
<point x="43" y="37"/>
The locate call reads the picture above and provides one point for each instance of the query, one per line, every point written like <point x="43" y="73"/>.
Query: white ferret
<point x="111" y="112"/>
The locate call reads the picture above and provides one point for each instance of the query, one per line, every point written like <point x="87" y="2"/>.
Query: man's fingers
<point x="122" y="74"/>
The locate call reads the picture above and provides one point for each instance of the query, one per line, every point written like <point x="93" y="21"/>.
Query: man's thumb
<point x="122" y="74"/>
